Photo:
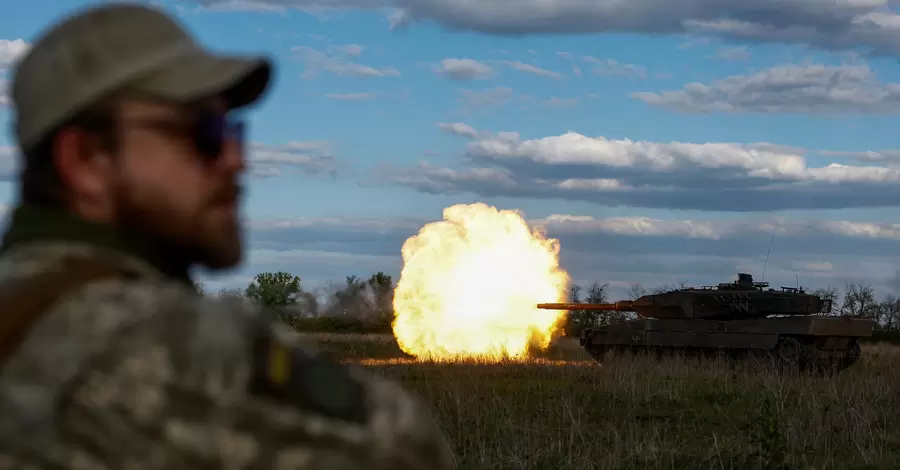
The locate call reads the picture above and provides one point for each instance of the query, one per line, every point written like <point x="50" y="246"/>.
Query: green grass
<point x="565" y="411"/>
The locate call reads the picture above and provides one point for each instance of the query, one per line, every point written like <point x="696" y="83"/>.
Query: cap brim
<point x="241" y="81"/>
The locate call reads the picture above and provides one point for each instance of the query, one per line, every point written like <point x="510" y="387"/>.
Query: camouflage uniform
<point x="140" y="372"/>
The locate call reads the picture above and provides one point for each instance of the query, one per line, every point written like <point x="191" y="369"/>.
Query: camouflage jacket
<point x="143" y="373"/>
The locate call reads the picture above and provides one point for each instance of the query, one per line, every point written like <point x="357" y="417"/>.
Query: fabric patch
<point x="291" y="375"/>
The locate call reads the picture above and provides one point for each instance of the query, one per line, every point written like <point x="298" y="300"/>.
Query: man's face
<point x="163" y="186"/>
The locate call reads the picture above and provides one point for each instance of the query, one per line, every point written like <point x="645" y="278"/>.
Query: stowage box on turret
<point x="736" y="318"/>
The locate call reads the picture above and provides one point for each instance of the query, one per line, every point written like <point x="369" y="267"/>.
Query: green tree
<point x="275" y="290"/>
<point x="382" y="287"/>
<point x="351" y="300"/>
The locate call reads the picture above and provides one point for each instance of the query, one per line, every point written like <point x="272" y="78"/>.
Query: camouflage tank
<point x="737" y="319"/>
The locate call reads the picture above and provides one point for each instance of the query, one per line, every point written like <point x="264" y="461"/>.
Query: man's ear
<point x="81" y="162"/>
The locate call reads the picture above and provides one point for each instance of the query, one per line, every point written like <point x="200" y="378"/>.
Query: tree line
<point x="366" y="305"/>
<point x="357" y="305"/>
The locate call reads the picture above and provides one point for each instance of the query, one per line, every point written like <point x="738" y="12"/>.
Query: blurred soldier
<point x="109" y="358"/>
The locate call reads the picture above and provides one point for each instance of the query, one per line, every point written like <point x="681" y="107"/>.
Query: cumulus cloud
<point x="618" y="250"/>
<point x="869" y="26"/>
<point x="463" y="69"/>
<point x="719" y="176"/>
<point x="459" y="128"/>
<point x="792" y="88"/>
<point x="466" y="69"/>
<point x="532" y="69"/>
<point x="310" y="157"/>
<point x="10" y="51"/>
<point x="337" y="61"/>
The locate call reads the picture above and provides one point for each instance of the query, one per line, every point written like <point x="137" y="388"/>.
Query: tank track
<point x="818" y="355"/>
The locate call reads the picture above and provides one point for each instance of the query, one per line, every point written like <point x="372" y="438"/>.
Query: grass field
<point x="567" y="412"/>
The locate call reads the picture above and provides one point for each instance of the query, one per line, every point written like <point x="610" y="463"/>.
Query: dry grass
<point x="566" y="412"/>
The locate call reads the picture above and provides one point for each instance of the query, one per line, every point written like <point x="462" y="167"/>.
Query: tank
<point x="736" y="319"/>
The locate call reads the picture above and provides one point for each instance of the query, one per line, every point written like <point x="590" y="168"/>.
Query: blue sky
<point x="780" y="93"/>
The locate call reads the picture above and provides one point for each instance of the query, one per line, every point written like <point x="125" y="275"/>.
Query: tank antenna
<point x="767" y="255"/>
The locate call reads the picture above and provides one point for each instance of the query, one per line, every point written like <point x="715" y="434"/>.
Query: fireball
<point x="470" y="286"/>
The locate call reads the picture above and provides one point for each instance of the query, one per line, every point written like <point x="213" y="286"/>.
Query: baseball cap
<point x="122" y="47"/>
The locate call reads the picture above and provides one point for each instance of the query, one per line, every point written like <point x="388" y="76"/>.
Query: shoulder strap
<point x="24" y="301"/>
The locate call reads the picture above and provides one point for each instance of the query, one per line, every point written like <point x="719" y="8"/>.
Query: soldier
<point x="110" y="359"/>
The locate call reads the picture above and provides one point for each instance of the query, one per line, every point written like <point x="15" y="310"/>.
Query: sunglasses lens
<point x="213" y="130"/>
<point x="209" y="135"/>
<point x="235" y="129"/>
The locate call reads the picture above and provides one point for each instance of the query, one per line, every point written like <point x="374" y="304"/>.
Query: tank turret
<point x="741" y="299"/>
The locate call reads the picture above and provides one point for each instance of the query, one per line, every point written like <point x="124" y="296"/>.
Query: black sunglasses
<point x="208" y="131"/>
<point x="211" y="130"/>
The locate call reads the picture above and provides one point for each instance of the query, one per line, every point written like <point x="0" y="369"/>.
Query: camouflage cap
<point x="122" y="48"/>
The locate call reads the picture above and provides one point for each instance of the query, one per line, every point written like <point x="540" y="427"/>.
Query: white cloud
<point x="10" y="51"/>
<point x="310" y="157"/>
<point x="618" y="250"/>
<point x="337" y="63"/>
<point x="792" y="88"/>
<point x="869" y="26"/>
<point x="564" y="225"/>
<point x="706" y="176"/>
<point x="459" y="128"/>
<point x="532" y="69"/>
<point x="718" y="229"/>
<point x="464" y="69"/>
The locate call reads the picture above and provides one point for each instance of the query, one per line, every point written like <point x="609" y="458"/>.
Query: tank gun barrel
<point x="620" y="306"/>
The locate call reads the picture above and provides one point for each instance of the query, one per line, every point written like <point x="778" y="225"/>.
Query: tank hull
<point x="804" y="341"/>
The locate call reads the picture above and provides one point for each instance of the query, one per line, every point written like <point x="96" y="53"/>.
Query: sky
<point x="660" y="142"/>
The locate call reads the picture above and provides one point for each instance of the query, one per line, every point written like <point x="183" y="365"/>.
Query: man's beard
<point x="207" y="238"/>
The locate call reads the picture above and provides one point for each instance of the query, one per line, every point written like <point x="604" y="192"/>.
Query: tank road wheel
<point x="791" y="355"/>
<point x="849" y="357"/>
<point x="599" y="354"/>
<point x="604" y="353"/>
<point x="830" y="362"/>
<point x="853" y="353"/>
